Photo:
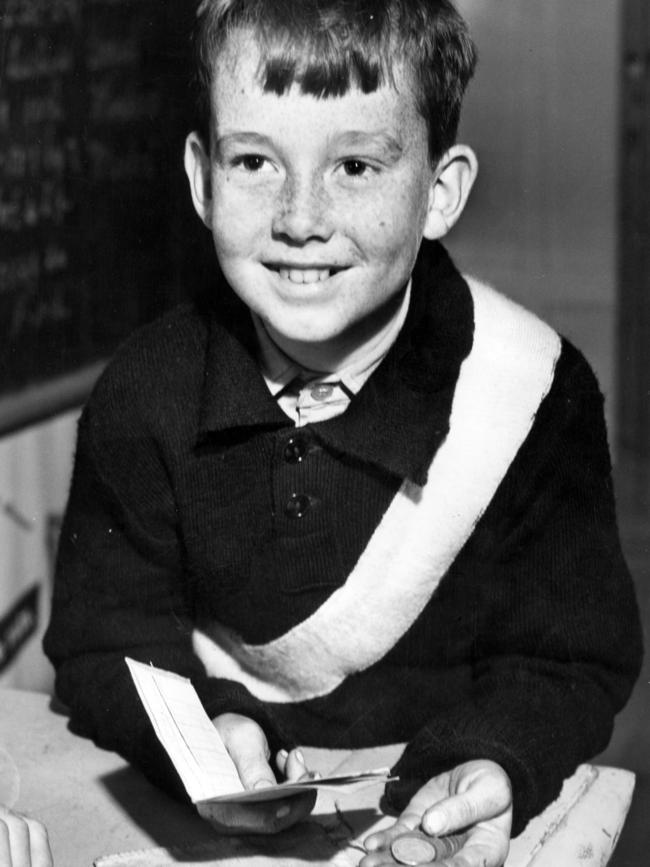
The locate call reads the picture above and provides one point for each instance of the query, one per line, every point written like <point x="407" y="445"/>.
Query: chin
<point x="305" y="335"/>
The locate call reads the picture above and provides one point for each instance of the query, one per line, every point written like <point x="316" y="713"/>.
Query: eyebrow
<point x="361" y="138"/>
<point x="350" y="139"/>
<point x="243" y="137"/>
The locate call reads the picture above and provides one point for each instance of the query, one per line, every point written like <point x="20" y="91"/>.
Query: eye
<point x="355" y="168"/>
<point x="251" y="162"/>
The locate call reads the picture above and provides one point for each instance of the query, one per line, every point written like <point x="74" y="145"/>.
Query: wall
<point x="35" y="468"/>
<point x="542" y="114"/>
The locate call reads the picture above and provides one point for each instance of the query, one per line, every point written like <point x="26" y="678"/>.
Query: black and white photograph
<point x="324" y="433"/>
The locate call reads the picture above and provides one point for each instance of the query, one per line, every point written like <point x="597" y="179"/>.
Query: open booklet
<point x="199" y="754"/>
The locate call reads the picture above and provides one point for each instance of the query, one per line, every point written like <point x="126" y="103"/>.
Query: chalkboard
<point x="95" y="232"/>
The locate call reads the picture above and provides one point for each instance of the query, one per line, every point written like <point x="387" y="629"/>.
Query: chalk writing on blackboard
<point x="85" y="132"/>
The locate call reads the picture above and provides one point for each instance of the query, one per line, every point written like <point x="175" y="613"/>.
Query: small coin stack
<point x="414" y="847"/>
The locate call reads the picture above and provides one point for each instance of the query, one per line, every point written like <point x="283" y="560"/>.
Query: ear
<point x="451" y="185"/>
<point x="197" y="169"/>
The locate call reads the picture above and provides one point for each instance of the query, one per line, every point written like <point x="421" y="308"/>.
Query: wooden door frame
<point x="633" y="337"/>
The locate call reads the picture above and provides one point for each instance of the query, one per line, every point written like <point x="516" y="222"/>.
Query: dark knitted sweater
<point x="182" y="513"/>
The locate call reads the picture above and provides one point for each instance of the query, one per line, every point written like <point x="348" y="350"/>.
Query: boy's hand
<point x="474" y="798"/>
<point x="23" y="841"/>
<point x="249" y="750"/>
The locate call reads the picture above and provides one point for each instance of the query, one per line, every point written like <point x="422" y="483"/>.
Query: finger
<point x="254" y="771"/>
<point x="267" y="817"/>
<point x="300" y="806"/>
<point x="5" y="844"/>
<point x="382" y="839"/>
<point x="378" y="859"/>
<point x="15" y="841"/>
<point x="39" y="844"/>
<point x="281" y="761"/>
<point x="295" y="767"/>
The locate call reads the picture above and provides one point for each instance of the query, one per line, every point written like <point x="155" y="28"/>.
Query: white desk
<point x="94" y="805"/>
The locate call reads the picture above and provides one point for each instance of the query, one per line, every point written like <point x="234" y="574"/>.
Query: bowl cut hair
<point x="327" y="47"/>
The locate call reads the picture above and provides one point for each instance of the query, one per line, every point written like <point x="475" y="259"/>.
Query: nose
<point x="303" y="211"/>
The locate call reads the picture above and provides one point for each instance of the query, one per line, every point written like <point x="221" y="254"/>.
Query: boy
<point x="358" y="500"/>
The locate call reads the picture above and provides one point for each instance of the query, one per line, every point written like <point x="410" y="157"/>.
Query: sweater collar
<point x="399" y="418"/>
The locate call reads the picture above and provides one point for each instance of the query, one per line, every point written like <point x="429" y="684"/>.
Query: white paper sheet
<point x="197" y="750"/>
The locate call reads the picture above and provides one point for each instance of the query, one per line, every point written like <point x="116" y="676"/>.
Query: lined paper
<point x="199" y="754"/>
<point x="186" y="732"/>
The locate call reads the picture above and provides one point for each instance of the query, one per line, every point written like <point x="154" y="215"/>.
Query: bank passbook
<point x="199" y="754"/>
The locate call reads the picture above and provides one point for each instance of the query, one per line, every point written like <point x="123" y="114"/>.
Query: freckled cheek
<point x="395" y="212"/>
<point x="382" y="236"/>
<point x="370" y="225"/>
<point x="239" y="223"/>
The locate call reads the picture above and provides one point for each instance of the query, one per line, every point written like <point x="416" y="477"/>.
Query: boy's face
<point x="317" y="206"/>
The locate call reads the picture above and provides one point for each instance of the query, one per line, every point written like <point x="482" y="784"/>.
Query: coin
<point x="413" y="848"/>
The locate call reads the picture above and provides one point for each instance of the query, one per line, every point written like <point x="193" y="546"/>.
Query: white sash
<point x="500" y="386"/>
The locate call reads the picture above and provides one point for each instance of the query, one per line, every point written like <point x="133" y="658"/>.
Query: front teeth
<point x="310" y="275"/>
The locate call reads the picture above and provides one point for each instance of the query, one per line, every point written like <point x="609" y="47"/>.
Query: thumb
<point x="248" y="748"/>
<point x="452" y="814"/>
<point x="254" y="770"/>
<point x="482" y="793"/>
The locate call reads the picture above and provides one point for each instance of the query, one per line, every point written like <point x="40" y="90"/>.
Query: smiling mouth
<point x="303" y="274"/>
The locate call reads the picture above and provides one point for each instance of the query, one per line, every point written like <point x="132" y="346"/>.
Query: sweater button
<point x="297" y="506"/>
<point x="295" y="450"/>
<point x="322" y="391"/>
